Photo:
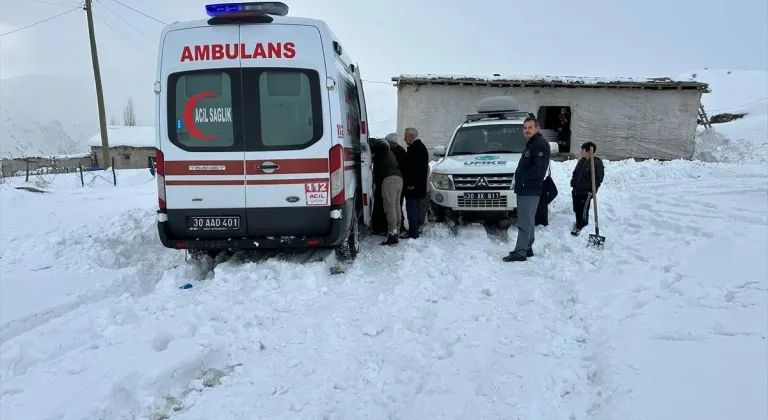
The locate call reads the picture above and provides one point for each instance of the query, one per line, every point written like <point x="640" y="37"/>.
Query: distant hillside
<point x="42" y="115"/>
<point x="48" y="115"/>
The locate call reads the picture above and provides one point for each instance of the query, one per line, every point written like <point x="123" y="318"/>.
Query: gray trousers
<point x="391" y="189"/>
<point x="526" y="221"/>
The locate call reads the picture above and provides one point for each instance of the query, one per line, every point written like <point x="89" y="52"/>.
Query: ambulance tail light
<point x="261" y="8"/>
<point x="160" y="175"/>
<point x="337" y="175"/>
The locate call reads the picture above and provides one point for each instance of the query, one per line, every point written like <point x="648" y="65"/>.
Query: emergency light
<point x="275" y="8"/>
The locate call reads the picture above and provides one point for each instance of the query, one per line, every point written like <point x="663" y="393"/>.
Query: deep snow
<point x="669" y="321"/>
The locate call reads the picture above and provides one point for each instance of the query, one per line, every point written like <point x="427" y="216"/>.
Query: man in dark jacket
<point x="529" y="183"/>
<point x="581" y="184"/>
<point x="402" y="156"/>
<point x="415" y="173"/>
<point x="387" y="174"/>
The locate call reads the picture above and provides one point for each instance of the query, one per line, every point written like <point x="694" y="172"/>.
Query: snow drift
<point x="737" y="92"/>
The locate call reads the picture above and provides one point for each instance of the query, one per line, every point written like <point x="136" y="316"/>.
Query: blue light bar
<point x="275" y="8"/>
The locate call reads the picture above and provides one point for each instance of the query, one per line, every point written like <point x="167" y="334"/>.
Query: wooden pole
<point x="99" y="89"/>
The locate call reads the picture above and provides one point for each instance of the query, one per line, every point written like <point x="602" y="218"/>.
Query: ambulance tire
<point x="199" y="255"/>
<point x="347" y="250"/>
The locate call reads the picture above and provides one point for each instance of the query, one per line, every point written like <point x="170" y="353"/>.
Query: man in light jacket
<point x="387" y="174"/>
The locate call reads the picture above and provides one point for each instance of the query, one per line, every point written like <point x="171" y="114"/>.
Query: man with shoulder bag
<point x="529" y="185"/>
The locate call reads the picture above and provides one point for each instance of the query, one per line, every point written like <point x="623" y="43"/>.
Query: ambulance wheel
<point x="198" y="255"/>
<point x="348" y="250"/>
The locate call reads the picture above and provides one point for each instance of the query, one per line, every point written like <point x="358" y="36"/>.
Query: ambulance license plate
<point x="213" y="223"/>
<point x="482" y="196"/>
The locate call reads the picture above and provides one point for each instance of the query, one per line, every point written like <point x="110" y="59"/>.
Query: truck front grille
<point x="490" y="182"/>
<point x="482" y="203"/>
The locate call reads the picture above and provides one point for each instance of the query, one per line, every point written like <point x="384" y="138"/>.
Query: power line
<point x="376" y="81"/>
<point x="53" y="3"/>
<point x="39" y="22"/>
<point x="122" y="34"/>
<point x="126" y="22"/>
<point x="736" y="107"/>
<point x="139" y="12"/>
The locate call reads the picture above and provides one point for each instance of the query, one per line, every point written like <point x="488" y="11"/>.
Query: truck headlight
<point x="441" y="181"/>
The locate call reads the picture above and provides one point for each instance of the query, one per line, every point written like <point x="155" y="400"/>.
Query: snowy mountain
<point x="49" y="114"/>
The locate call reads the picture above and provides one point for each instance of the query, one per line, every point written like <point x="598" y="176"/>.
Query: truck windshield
<point x="478" y="140"/>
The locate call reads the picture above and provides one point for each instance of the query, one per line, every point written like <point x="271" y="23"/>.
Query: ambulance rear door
<point x="201" y="132"/>
<point x="366" y="160"/>
<point x="287" y="131"/>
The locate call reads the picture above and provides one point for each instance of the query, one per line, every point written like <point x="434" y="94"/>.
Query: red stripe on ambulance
<point x="288" y="166"/>
<point x="238" y="167"/>
<point x="235" y="51"/>
<point x="222" y="182"/>
<point x="204" y="167"/>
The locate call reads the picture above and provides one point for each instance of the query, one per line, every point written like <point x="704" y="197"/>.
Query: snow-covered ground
<point x="668" y="322"/>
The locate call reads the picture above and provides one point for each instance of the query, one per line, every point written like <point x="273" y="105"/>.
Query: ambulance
<point x="261" y="134"/>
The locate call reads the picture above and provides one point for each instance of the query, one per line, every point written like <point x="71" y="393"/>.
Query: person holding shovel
<point x="581" y="184"/>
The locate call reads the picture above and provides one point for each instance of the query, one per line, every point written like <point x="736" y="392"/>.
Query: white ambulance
<point x="474" y="178"/>
<point x="262" y="140"/>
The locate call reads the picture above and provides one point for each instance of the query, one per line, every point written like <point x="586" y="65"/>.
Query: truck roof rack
<point x="497" y="108"/>
<point x="497" y="115"/>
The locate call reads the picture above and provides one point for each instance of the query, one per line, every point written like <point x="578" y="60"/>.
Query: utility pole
<point x="99" y="91"/>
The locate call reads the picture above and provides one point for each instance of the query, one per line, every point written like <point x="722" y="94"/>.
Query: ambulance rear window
<point x="203" y="111"/>
<point x="244" y="109"/>
<point x="287" y="109"/>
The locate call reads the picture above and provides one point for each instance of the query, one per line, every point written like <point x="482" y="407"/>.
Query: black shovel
<point x="595" y="240"/>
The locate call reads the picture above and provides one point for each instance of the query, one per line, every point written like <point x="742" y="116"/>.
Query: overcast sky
<point x="387" y="38"/>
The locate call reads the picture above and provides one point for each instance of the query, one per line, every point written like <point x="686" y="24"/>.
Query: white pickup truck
<point x="475" y="175"/>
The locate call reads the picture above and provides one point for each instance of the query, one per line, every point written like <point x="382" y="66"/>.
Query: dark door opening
<point x="555" y="123"/>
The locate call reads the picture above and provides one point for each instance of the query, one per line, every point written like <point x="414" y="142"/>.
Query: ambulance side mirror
<point x="438" y="151"/>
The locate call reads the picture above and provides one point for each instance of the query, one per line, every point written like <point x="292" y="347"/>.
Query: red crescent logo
<point x="189" y="117"/>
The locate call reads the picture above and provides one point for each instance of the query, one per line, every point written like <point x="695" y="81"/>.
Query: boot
<point x="391" y="240"/>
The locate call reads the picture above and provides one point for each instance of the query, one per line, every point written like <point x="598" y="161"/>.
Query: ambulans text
<point x="234" y="51"/>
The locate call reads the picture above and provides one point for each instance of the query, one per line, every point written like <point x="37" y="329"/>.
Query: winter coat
<point x="581" y="180"/>
<point x="416" y="170"/>
<point x="532" y="167"/>
<point x="384" y="162"/>
<point x="400" y="154"/>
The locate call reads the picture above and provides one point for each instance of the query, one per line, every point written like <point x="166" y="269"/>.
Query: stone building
<point x="625" y="117"/>
<point x="129" y="146"/>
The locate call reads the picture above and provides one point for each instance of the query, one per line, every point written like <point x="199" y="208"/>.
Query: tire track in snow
<point x="51" y="334"/>
<point x="113" y="250"/>
<point x="412" y="337"/>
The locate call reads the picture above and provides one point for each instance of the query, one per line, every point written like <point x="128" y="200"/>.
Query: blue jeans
<point x="412" y="212"/>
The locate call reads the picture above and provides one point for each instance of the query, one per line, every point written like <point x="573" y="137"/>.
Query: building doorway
<point x="555" y="123"/>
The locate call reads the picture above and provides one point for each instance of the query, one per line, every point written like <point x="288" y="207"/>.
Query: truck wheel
<point x="436" y="214"/>
<point x="350" y="247"/>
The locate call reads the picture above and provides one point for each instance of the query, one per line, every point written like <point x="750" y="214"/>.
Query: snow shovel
<point x="595" y="240"/>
